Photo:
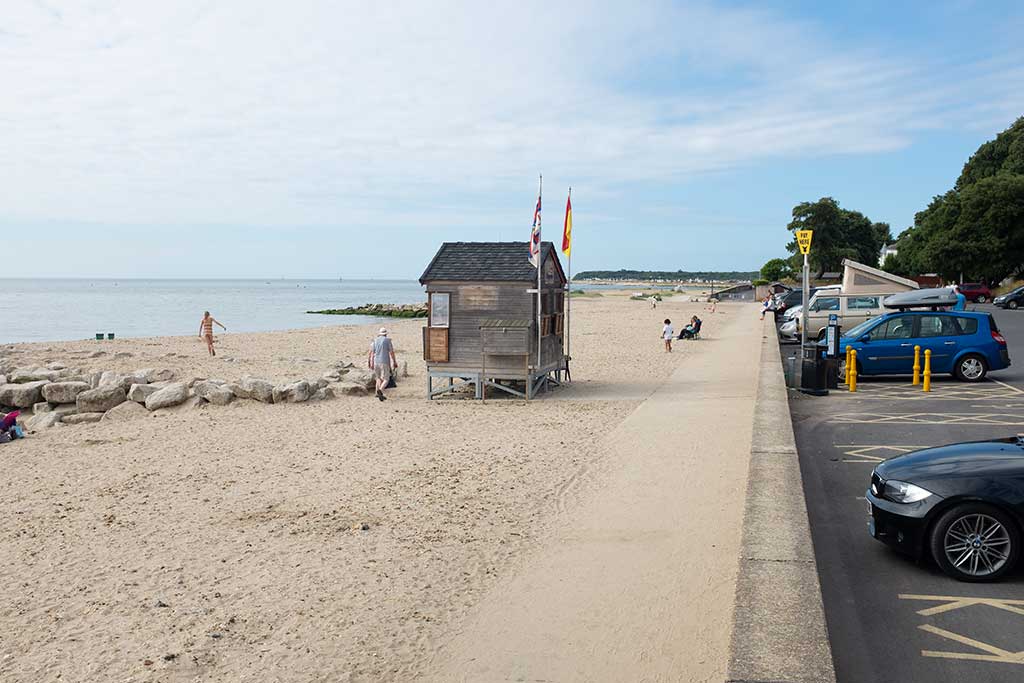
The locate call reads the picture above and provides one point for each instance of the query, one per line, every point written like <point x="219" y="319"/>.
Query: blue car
<point x="964" y="343"/>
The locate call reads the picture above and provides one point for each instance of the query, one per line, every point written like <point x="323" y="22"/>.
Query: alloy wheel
<point x="972" y="368"/>
<point x="977" y="545"/>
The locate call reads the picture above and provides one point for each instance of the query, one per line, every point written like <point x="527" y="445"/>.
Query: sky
<point x="242" y="138"/>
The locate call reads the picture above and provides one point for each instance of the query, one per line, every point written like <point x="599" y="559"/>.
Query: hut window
<point x="440" y="307"/>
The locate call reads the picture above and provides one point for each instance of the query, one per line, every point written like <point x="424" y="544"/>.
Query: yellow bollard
<point x="852" y="366"/>
<point x="927" y="384"/>
<point x="917" y="365"/>
<point x="846" y="375"/>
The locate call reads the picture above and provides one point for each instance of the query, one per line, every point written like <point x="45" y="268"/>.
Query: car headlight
<point x="902" y="492"/>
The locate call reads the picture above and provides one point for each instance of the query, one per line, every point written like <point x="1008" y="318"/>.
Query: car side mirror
<point x="863" y="339"/>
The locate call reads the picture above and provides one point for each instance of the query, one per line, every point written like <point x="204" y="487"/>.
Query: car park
<point x="1012" y="300"/>
<point x="966" y="344"/>
<point x="962" y="505"/>
<point x="975" y="291"/>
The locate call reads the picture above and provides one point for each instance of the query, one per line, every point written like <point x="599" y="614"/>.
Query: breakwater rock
<point x="380" y="310"/>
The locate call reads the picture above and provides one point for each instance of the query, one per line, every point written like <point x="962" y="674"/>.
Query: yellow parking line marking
<point x="959" y="602"/>
<point x="929" y="419"/>
<point x="1008" y="386"/>
<point x="861" y="453"/>
<point x="977" y="644"/>
<point x="954" y="602"/>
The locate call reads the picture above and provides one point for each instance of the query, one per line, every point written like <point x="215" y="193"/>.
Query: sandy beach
<point x="343" y="540"/>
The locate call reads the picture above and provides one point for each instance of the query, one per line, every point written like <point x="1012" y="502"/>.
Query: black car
<point x="1012" y="300"/>
<point x="962" y="505"/>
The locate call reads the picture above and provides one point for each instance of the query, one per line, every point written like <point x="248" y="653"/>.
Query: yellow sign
<point x="803" y="239"/>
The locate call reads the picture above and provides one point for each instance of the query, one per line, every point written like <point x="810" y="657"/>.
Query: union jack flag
<point x="535" y="237"/>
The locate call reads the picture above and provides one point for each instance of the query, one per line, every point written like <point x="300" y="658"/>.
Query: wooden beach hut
<point x="482" y="326"/>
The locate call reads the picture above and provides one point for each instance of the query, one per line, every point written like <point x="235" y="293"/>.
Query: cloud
<point x="322" y="113"/>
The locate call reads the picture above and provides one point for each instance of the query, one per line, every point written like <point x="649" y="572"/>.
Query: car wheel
<point x="1012" y="305"/>
<point x="971" y="368"/>
<point x="975" y="542"/>
<point x="981" y="299"/>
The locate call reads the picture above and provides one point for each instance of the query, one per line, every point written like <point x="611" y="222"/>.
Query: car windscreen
<point x="858" y="330"/>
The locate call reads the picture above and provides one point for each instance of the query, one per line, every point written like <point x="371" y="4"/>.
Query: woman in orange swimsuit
<point x="206" y="330"/>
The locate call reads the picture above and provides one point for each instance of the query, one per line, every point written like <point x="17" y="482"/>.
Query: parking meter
<point x="832" y="336"/>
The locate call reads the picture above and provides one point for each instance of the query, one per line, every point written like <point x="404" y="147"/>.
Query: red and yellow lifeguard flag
<point x="567" y="232"/>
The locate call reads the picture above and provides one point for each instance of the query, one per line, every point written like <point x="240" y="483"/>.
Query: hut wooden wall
<point x="474" y="302"/>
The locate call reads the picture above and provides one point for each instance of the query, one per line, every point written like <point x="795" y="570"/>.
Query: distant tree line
<point x="975" y="231"/>
<point x="642" y="275"/>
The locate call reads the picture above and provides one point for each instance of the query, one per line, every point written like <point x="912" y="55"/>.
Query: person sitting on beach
<point x="667" y="333"/>
<point x="206" y="331"/>
<point x="381" y="361"/>
<point x="691" y="330"/>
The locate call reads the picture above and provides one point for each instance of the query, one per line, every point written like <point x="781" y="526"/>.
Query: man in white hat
<point x="381" y="360"/>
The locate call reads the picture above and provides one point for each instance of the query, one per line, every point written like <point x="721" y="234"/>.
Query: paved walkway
<point x="638" y="584"/>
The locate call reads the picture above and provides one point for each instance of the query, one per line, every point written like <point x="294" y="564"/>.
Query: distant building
<point x="743" y="292"/>
<point x="887" y="251"/>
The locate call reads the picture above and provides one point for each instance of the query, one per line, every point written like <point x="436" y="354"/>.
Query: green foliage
<point x="648" y="275"/>
<point x="759" y="282"/>
<point x="976" y="229"/>
<point x="776" y="269"/>
<point x="838" y="234"/>
<point x="583" y="293"/>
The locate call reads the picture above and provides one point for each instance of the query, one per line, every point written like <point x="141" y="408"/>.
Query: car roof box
<point x="921" y="298"/>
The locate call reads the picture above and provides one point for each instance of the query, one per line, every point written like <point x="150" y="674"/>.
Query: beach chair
<point x="691" y="333"/>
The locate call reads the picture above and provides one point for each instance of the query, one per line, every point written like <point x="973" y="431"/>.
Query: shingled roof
<point x="485" y="262"/>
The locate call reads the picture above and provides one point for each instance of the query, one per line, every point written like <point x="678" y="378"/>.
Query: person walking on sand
<point x="206" y="331"/>
<point x="381" y="361"/>
<point x="667" y="333"/>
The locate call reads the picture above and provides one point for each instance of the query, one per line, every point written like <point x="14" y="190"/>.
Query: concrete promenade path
<point x="637" y="583"/>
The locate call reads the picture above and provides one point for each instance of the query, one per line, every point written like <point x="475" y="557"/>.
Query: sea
<point x="70" y="309"/>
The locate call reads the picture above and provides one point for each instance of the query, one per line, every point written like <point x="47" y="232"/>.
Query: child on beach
<point x="667" y="333"/>
<point x="206" y="331"/>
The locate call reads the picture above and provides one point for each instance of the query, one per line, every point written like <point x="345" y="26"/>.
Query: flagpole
<point x="568" y="301"/>
<point x="540" y="261"/>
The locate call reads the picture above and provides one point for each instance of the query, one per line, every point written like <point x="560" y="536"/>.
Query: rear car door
<point x="939" y="333"/>
<point x="890" y="347"/>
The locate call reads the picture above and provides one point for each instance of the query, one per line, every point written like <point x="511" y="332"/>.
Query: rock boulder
<point x="100" y="399"/>
<point x="350" y="389"/>
<point x="361" y="377"/>
<point x="296" y="392"/>
<point x="82" y="418"/>
<point x="254" y="388"/>
<point x="24" y="375"/>
<point x="171" y="395"/>
<point x="23" y="395"/>
<point x="140" y="392"/>
<point x="42" y="421"/>
<point x="215" y="393"/>
<point x="64" y="392"/>
<point x="128" y="410"/>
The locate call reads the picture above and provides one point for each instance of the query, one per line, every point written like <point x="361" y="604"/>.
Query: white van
<point x="851" y="309"/>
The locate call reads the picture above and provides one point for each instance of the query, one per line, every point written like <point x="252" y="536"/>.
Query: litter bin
<point x="814" y="371"/>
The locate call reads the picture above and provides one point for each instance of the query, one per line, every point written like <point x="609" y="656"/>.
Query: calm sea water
<point x="55" y="310"/>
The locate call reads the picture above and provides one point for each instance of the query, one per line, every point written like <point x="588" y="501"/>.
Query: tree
<point x="776" y="269"/>
<point x="838" y="234"/>
<point x="976" y="229"/>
